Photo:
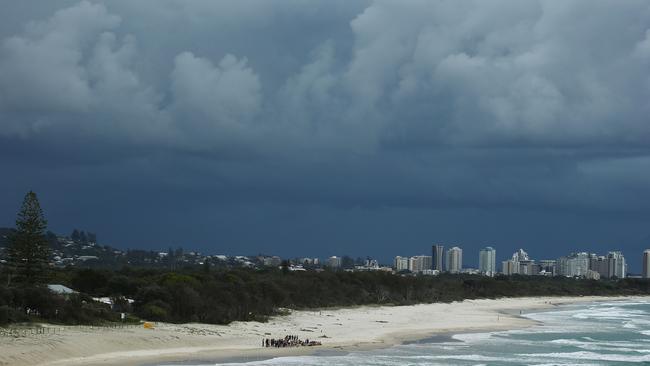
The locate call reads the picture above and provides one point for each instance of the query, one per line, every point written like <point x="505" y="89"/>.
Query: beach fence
<point x="104" y="327"/>
<point x="17" y="332"/>
<point x="29" y="332"/>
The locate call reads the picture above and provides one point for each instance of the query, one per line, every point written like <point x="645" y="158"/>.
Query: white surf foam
<point x="592" y="356"/>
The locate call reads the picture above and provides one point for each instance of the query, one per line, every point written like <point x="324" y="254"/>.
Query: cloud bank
<point x="422" y="104"/>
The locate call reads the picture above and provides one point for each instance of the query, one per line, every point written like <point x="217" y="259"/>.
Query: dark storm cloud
<point x="416" y="105"/>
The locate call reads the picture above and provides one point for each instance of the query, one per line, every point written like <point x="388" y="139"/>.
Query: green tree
<point x="206" y="265"/>
<point x="28" y="246"/>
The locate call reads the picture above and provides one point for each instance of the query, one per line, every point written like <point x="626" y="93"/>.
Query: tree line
<point x="223" y="296"/>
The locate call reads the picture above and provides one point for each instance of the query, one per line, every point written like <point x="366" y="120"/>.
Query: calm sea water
<point x="611" y="333"/>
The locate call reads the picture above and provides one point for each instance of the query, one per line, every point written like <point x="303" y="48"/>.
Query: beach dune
<point x="339" y="329"/>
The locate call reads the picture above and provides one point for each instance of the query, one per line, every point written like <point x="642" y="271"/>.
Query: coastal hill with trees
<point x="222" y="294"/>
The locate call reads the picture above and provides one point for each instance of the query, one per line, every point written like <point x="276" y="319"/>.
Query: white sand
<point x="345" y="329"/>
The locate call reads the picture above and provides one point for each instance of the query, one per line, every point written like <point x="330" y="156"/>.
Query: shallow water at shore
<point x="608" y="333"/>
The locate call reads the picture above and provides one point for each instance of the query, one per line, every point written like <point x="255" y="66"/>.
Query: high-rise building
<point x="454" y="260"/>
<point x="547" y="267"/>
<point x="334" y="262"/>
<point x="580" y="264"/>
<point x="419" y="263"/>
<point x="646" y="263"/>
<point x="437" y="253"/>
<point x="601" y="264"/>
<point x="520" y="264"/>
<point x="510" y="267"/>
<point x="575" y="264"/>
<point x="563" y="266"/>
<point x="617" y="264"/>
<point x="401" y="263"/>
<point x="520" y="256"/>
<point x="528" y="267"/>
<point x="487" y="264"/>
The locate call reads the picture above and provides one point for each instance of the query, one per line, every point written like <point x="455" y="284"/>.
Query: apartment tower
<point x="487" y="262"/>
<point x="646" y="263"/>
<point x="437" y="253"/>
<point x="454" y="260"/>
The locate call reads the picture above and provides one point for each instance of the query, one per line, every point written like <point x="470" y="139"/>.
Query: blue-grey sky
<point x="317" y="128"/>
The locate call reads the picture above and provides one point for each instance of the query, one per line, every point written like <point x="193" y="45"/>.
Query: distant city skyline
<point x="430" y="264"/>
<point x="587" y="265"/>
<point x="80" y="247"/>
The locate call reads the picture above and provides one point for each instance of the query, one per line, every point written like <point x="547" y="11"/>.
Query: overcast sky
<point x="317" y="128"/>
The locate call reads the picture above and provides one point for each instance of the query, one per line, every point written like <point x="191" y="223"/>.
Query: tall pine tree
<point x="28" y="247"/>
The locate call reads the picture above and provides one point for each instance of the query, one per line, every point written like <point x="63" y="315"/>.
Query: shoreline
<point x="366" y="328"/>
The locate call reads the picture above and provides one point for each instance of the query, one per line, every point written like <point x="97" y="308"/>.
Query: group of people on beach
<point x="288" y="341"/>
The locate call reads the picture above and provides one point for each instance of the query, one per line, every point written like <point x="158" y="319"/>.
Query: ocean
<point x="607" y="333"/>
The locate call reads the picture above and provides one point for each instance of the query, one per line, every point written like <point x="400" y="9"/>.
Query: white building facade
<point x="334" y="262"/>
<point x="401" y="263"/>
<point x="617" y="264"/>
<point x="454" y="260"/>
<point x="487" y="264"/>
<point x="420" y="263"/>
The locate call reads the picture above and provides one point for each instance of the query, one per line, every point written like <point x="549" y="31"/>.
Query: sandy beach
<point x="338" y="329"/>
